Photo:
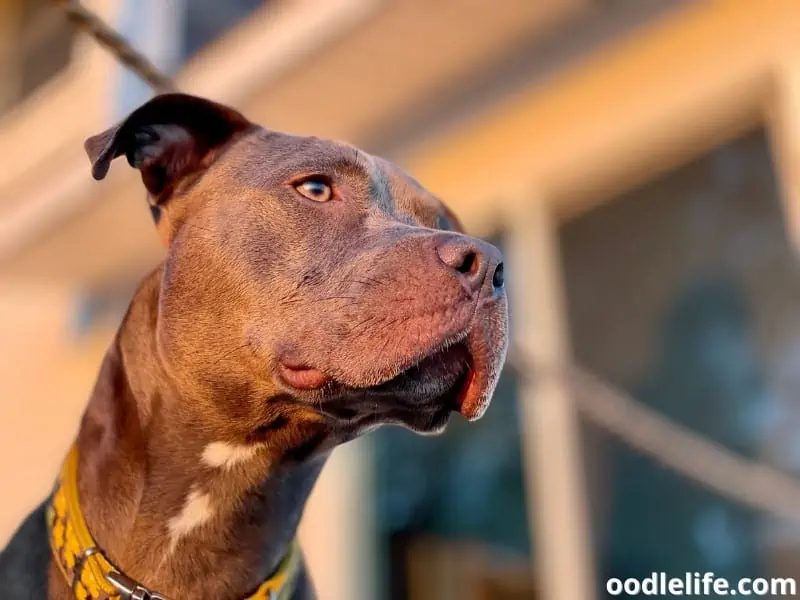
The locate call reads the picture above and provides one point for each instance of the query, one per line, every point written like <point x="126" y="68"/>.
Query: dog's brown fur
<point x="276" y="325"/>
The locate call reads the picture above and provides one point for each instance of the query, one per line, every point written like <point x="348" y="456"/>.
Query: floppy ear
<point x="167" y="138"/>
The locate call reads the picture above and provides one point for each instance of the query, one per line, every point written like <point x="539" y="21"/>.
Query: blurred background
<point x="637" y="160"/>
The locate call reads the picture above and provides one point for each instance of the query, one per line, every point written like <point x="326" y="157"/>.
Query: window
<point x="207" y="20"/>
<point x="686" y="293"/>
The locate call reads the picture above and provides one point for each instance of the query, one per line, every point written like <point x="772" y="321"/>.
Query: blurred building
<point x="638" y="162"/>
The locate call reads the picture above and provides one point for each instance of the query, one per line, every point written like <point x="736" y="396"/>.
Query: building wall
<point x="45" y="378"/>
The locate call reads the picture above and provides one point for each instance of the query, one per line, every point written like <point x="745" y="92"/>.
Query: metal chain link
<point x="750" y="483"/>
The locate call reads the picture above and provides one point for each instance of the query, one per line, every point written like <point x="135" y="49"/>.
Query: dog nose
<point x="472" y="260"/>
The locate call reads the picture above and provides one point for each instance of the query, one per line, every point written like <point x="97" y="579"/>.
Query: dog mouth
<point x="442" y="381"/>
<point x="450" y="376"/>
<point x="415" y="375"/>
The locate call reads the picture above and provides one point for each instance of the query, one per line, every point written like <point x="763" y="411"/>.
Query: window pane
<point x="206" y="20"/>
<point x="686" y="293"/>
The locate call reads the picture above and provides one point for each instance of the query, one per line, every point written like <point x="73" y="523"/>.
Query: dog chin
<point x="429" y="421"/>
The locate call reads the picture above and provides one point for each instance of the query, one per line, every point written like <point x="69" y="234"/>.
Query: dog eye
<point x="315" y="189"/>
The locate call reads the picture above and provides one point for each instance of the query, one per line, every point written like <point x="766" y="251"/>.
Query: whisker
<point x="327" y="298"/>
<point x="361" y="324"/>
<point x="245" y="345"/>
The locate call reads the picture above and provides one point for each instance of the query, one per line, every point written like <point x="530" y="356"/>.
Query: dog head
<point x="307" y="279"/>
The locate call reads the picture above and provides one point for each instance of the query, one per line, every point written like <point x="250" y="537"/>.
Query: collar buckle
<point x="130" y="590"/>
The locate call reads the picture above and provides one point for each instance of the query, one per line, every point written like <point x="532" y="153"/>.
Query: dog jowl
<point x="310" y="292"/>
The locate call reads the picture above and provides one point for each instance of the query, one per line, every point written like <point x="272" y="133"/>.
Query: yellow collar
<point x="92" y="576"/>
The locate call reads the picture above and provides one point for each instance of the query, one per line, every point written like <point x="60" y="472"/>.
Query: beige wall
<point x="45" y="378"/>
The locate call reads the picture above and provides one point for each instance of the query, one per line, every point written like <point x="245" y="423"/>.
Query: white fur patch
<point x="196" y="511"/>
<point x="226" y="456"/>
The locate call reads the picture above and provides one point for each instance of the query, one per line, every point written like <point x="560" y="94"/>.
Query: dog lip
<point x="434" y="351"/>
<point x="302" y="377"/>
<point x="468" y="400"/>
<point x="463" y="397"/>
<point x="476" y="392"/>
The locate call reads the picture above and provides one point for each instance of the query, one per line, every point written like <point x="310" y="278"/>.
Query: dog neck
<point x="174" y="507"/>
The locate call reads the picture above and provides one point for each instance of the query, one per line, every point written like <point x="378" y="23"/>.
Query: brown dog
<point x="310" y="293"/>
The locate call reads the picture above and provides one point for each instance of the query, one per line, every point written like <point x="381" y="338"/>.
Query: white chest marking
<point x="196" y="511"/>
<point x="225" y="456"/>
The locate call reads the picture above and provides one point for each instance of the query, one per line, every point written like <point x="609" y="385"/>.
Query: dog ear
<point x="166" y="139"/>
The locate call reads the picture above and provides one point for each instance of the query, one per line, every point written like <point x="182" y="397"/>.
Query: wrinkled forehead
<point x="380" y="183"/>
